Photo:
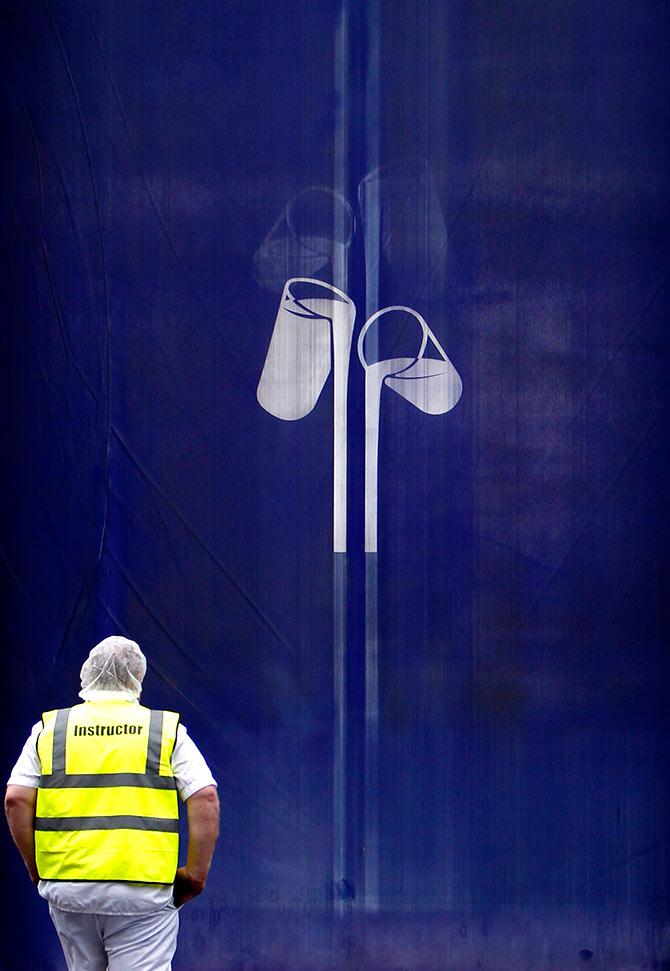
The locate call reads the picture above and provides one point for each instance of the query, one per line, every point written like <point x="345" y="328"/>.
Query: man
<point x="92" y="807"/>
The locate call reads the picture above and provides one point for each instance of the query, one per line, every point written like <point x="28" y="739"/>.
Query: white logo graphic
<point x="314" y="317"/>
<point x="431" y="385"/>
<point x="298" y="363"/>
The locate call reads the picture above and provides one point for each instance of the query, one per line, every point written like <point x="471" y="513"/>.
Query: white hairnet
<point x="115" y="664"/>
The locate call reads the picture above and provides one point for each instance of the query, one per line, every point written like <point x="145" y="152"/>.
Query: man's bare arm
<point x="202" y="810"/>
<point x="20" y="811"/>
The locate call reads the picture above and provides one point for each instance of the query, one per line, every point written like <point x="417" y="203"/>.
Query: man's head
<point x="115" y="664"/>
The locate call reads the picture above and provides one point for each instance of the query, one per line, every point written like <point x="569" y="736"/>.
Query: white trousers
<point x="106" y="942"/>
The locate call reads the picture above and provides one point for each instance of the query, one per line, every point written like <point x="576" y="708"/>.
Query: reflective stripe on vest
<point x="107" y="805"/>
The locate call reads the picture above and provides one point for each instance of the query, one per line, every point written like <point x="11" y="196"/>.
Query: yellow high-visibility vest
<point x="107" y="806"/>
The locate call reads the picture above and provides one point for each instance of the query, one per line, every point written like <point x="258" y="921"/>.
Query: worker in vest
<point x="92" y="805"/>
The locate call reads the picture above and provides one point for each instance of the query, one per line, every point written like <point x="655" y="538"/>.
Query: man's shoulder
<point x="165" y="711"/>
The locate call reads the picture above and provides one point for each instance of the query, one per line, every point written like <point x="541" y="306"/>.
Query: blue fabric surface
<point x="501" y="169"/>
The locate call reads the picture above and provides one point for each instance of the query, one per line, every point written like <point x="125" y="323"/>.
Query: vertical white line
<point x="372" y="244"/>
<point x="340" y="279"/>
<point x="374" y="378"/>
<point x="340" y="726"/>
<point x="342" y="330"/>
<point x="371" y="865"/>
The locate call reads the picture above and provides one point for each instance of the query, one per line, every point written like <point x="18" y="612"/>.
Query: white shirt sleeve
<point x="27" y="770"/>
<point x="190" y="769"/>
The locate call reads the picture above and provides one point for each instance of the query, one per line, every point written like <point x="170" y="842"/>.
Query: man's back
<point x="107" y="802"/>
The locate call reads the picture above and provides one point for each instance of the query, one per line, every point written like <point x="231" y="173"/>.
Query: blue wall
<point x="150" y="153"/>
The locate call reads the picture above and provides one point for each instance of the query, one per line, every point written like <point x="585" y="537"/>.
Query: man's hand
<point x="202" y="811"/>
<point x="186" y="886"/>
<point x="20" y="811"/>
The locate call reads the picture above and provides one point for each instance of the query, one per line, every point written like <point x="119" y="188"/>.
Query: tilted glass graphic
<point x="312" y="336"/>
<point x="310" y="236"/>
<point x="404" y="229"/>
<point x="431" y="384"/>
